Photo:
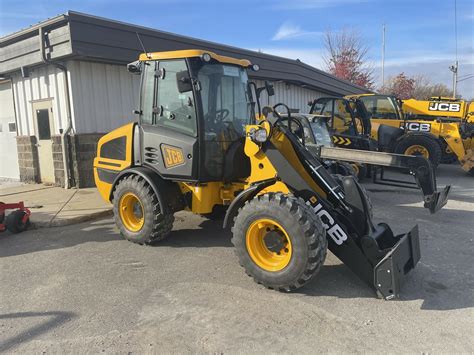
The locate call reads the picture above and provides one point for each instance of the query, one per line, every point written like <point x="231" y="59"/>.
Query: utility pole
<point x="383" y="55"/>
<point x="454" y="69"/>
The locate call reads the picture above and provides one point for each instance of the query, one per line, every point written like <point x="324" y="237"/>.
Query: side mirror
<point x="270" y="89"/>
<point x="135" y="67"/>
<point x="183" y="81"/>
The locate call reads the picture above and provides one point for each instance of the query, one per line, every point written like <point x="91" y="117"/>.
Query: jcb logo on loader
<point x="172" y="156"/>
<point x="415" y="126"/>
<point x="444" y="106"/>
<point x="333" y="229"/>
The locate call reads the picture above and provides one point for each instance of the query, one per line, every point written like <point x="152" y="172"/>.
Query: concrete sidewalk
<point x="59" y="206"/>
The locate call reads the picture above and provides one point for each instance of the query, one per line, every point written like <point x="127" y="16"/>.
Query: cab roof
<point x="190" y="53"/>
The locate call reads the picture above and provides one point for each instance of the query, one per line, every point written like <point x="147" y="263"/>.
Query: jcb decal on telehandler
<point x="416" y="126"/>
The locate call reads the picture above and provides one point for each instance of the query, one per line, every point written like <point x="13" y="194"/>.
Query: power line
<point x="466" y="78"/>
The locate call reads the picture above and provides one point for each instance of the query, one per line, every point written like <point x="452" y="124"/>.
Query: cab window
<point x="162" y="103"/>
<point x="380" y="107"/>
<point x="342" y="121"/>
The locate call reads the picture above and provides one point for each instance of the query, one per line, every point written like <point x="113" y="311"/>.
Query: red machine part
<point x="17" y="224"/>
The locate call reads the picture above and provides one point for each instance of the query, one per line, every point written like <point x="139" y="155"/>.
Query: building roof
<point x="80" y="36"/>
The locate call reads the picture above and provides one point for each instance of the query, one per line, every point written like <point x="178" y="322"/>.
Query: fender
<point x="169" y="197"/>
<point x="244" y="196"/>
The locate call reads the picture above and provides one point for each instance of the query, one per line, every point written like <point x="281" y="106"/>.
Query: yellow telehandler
<point x="198" y="146"/>
<point x="436" y="137"/>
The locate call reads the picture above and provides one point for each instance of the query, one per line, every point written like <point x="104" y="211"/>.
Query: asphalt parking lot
<point x="83" y="288"/>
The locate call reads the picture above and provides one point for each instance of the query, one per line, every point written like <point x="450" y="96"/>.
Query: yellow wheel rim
<point x="418" y="150"/>
<point x="131" y="212"/>
<point x="268" y="245"/>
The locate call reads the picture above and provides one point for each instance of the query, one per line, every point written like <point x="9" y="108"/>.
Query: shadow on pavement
<point x="440" y="288"/>
<point x="53" y="320"/>
<point x="56" y="238"/>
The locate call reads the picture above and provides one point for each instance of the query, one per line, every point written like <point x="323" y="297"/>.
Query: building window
<point x="12" y="127"/>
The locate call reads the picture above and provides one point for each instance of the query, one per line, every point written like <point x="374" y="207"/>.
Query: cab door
<point x="168" y="122"/>
<point x="346" y="129"/>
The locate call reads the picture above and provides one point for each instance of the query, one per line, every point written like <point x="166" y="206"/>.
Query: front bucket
<point x="390" y="272"/>
<point x="438" y="200"/>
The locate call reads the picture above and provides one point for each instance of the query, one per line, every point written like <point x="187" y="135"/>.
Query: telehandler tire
<point x="420" y="145"/>
<point x="137" y="212"/>
<point x="279" y="241"/>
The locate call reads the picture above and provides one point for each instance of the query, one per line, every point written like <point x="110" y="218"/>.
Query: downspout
<point x="64" y="143"/>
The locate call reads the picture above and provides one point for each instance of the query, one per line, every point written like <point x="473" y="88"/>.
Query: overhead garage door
<point x="8" y="151"/>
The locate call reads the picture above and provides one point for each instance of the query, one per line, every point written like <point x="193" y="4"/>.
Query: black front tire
<point x="428" y="143"/>
<point x="14" y="222"/>
<point x="306" y="232"/>
<point x="157" y="224"/>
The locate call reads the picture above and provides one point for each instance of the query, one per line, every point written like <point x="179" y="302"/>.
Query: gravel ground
<point x="83" y="289"/>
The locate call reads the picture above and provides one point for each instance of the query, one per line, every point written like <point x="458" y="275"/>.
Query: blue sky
<point x="420" y="34"/>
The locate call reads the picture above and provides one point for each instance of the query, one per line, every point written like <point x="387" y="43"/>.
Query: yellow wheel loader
<point x="197" y="146"/>
<point x="437" y="137"/>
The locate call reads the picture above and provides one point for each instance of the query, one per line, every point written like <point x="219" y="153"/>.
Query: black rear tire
<point x="157" y="224"/>
<point x="429" y="144"/>
<point x="304" y="229"/>
<point x="14" y="222"/>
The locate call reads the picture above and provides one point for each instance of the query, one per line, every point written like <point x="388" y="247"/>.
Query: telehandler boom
<point x="197" y="146"/>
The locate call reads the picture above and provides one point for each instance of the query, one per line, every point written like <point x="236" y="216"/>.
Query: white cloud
<point x="291" y="31"/>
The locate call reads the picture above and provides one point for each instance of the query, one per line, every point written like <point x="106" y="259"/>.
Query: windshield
<point x="381" y="106"/>
<point x="321" y="132"/>
<point x="224" y="97"/>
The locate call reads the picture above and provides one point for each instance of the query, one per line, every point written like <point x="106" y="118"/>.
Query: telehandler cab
<point x="198" y="146"/>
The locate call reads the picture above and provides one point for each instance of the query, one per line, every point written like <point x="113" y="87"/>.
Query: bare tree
<point x="346" y="57"/>
<point x="417" y="87"/>
<point x="424" y="89"/>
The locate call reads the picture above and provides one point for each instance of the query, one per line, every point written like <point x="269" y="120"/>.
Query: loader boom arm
<point x="420" y="167"/>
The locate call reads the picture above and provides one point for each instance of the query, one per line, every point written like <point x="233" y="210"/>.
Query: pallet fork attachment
<point x="419" y="167"/>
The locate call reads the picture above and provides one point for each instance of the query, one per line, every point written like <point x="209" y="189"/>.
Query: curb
<point x="69" y="221"/>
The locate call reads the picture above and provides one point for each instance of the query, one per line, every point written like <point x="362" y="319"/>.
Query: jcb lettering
<point x="337" y="234"/>
<point x="172" y="156"/>
<point x="333" y="229"/>
<point x="444" y="107"/>
<point x="418" y="127"/>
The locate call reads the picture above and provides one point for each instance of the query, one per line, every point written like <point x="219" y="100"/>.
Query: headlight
<point x="255" y="67"/>
<point x="206" y="57"/>
<point x="259" y="135"/>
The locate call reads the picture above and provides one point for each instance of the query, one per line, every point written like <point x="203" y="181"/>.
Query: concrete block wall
<point x="28" y="159"/>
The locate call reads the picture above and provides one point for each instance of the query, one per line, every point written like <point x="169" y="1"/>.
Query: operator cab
<point x="193" y="110"/>
<point x="382" y="106"/>
<point x="343" y="116"/>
